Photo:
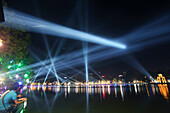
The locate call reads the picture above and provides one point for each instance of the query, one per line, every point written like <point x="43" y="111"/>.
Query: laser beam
<point x="37" y="25"/>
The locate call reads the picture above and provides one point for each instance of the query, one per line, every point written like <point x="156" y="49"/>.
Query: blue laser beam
<point x="37" y="25"/>
<point x="49" y="53"/>
<point x="135" y="64"/>
<point x="111" y="54"/>
<point x="133" y="48"/>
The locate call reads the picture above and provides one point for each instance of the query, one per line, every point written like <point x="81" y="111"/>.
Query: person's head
<point x="15" y="87"/>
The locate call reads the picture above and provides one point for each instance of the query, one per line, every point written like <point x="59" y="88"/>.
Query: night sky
<point x="108" y="18"/>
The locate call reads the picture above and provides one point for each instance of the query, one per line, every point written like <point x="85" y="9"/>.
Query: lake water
<point x="105" y="99"/>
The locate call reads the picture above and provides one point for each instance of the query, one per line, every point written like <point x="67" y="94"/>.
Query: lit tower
<point x="161" y="79"/>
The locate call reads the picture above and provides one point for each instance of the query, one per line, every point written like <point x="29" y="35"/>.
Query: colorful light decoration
<point x="19" y="64"/>
<point x="0" y="43"/>
<point x="10" y="77"/>
<point x="9" y="67"/>
<point x="20" y="83"/>
<point x="16" y="76"/>
<point x="1" y="80"/>
<point x="26" y="75"/>
<point x="11" y="61"/>
<point x="27" y="81"/>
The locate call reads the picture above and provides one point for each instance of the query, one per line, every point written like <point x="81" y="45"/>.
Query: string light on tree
<point x="16" y="76"/>
<point x="27" y="81"/>
<point x="19" y="64"/>
<point x="20" y="83"/>
<point x="26" y="75"/>
<point x="0" y="42"/>
<point x="18" y="69"/>
<point x="10" y="77"/>
<point x="9" y="67"/>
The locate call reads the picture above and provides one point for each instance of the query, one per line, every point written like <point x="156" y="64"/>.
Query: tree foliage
<point x="14" y="50"/>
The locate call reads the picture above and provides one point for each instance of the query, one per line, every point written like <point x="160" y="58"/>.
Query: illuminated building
<point x="33" y="84"/>
<point x="49" y="84"/>
<point x="44" y="84"/>
<point x="161" y="79"/>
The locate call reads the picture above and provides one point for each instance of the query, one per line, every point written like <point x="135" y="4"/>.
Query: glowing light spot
<point x="16" y="76"/>
<point x="0" y="43"/>
<point x="19" y="64"/>
<point x="9" y="67"/>
<point x="26" y="75"/>
<point x="20" y="83"/>
<point x="27" y="81"/>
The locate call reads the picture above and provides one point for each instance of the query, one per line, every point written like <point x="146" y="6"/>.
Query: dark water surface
<point x="105" y="99"/>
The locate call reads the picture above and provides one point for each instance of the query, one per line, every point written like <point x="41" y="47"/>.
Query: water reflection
<point x="122" y="92"/>
<point x="138" y="85"/>
<point x="69" y="90"/>
<point x="65" y="90"/>
<point x="153" y="88"/>
<point x="103" y="91"/>
<point x="147" y="90"/>
<point x="118" y="91"/>
<point x="136" y="91"/>
<point x="130" y="88"/>
<point x="115" y="92"/>
<point x="50" y="95"/>
<point x="163" y="88"/>
<point x="44" y="88"/>
<point x="108" y="87"/>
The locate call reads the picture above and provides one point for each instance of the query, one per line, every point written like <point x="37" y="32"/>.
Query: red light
<point x="103" y="76"/>
<point x="104" y="93"/>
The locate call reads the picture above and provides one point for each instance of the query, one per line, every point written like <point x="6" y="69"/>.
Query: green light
<point x="9" y="67"/>
<point x="19" y="64"/>
<point x="26" y="75"/>
<point x="22" y="111"/>
<point x="27" y="81"/>
<point x="10" y="77"/>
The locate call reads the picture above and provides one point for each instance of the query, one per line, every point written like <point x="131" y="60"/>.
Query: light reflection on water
<point x="163" y="88"/>
<point x="109" y="90"/>
<point x="49" y="98"/>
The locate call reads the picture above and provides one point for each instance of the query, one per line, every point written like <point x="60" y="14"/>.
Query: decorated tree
<point x="14" y="53"/>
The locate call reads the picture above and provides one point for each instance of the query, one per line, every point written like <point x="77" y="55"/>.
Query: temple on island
<point x="161" y="79"/>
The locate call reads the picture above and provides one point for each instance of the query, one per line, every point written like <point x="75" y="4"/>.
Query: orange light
<point x="163" y="88"/>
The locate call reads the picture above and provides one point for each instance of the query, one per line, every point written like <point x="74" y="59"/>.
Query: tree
<point x="14" y="51"/>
